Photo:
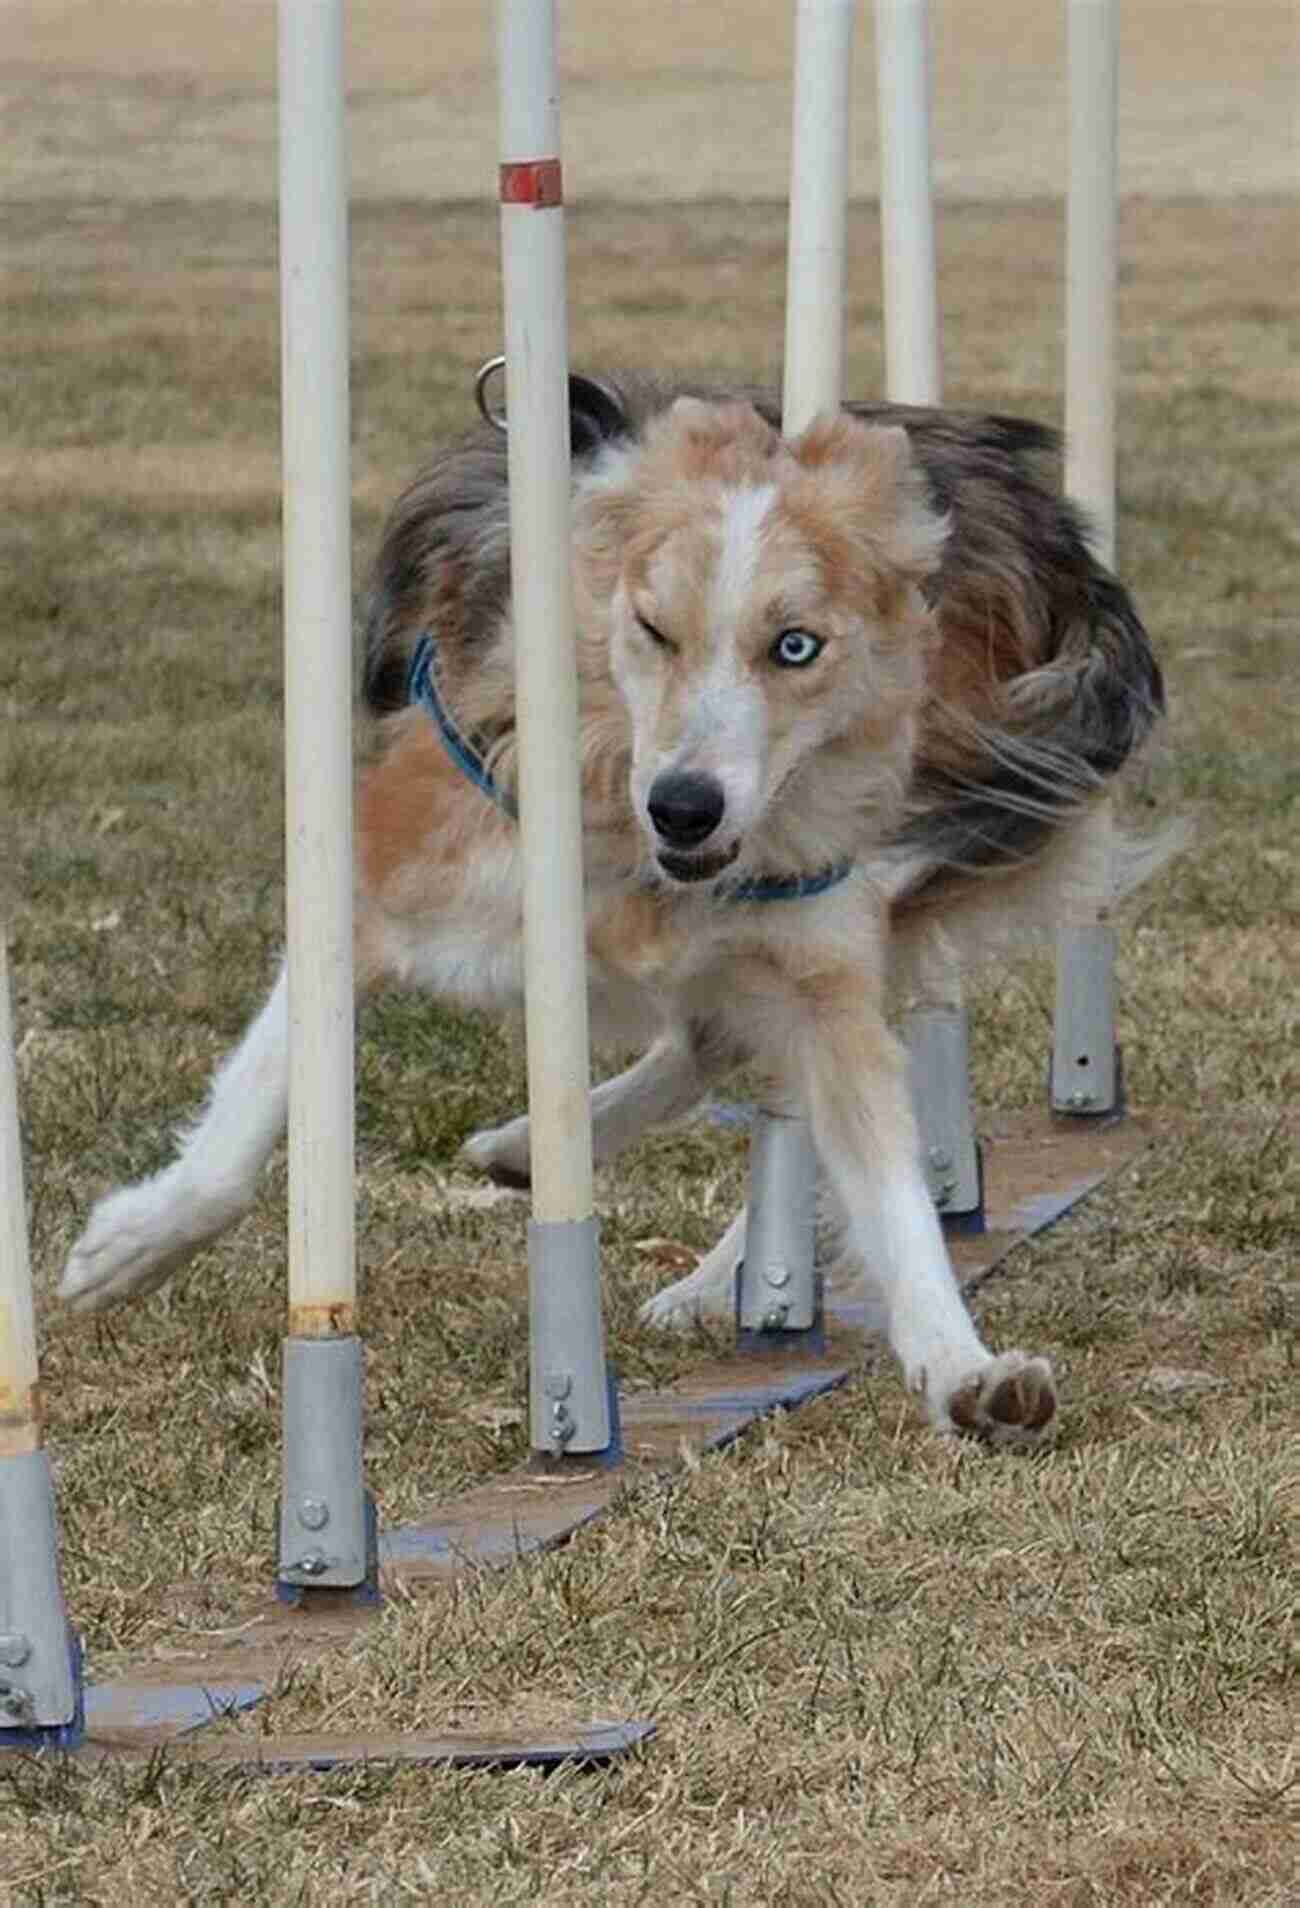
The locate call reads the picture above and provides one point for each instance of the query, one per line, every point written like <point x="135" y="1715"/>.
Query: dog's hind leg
<point x="665" y="1083"/>
<point x="136" y="1237"/>
<point x="853" y="1076"/>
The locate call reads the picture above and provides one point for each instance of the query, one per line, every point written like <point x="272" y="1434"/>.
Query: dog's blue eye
<point x="795" y="649"/>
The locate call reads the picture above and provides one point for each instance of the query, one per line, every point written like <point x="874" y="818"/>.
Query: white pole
<point x="318" y="664"/>
<point x="912" y="374"/>
<point x="537" y="372"/>
<point x="569" y="1402"/>
<point x="819" y="183"/>
<point x="19" y="1398"/>
<point x="38" y="1658"/>
<point x="323" y="1538"/>
<point x="1091" y="253"/>
<point x="1085" y="1073"/>
<point x="776" y="1288"/>
<point x="935" y="1026"/>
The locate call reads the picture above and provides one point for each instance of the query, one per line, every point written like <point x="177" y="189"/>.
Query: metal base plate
<point x="591" y="1745"/>
<point x="141" y="1717"/>
<point x="1035" y="1168"/>
<point x="153" y="1711"/>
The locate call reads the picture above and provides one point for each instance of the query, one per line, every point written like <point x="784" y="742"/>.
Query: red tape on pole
<point x="536" y="182"/>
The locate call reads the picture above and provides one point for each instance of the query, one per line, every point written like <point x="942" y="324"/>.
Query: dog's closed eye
<point x="656" y="635"/>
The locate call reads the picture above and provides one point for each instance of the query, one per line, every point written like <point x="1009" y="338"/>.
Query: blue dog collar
<point x="422" y="692"/>
<point x="784" y="887"/>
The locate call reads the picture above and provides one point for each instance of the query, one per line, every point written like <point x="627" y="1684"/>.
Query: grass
<point x="884" y="1671"/>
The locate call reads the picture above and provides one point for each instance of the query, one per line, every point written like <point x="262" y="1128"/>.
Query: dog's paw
<point x="135" y="1239"/>
<point x="502" y="1153"/>
<point x="671" y="1309"/>
<point x="709" y="1292"/>
<point x="702" y="1294"/>
<point x="1011" y="1400"/>
<point x="675" y="1309"/>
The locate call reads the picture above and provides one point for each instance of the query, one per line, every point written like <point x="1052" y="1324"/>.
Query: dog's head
<point x="763" y="605"/>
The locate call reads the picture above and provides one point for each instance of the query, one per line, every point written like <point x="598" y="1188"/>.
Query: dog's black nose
<point x="685" y="809"/>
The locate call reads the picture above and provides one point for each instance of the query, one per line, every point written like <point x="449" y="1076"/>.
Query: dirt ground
<point x="175" y="98"/>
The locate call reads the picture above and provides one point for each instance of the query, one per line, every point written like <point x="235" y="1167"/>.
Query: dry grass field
<point x="885" y="1671"/>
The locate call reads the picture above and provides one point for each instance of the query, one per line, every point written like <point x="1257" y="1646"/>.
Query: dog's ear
<point x="596" y="416"/>
<point x="866" y="476"/>
<point x="839" y="438"/>
<point x="709" y="436"/>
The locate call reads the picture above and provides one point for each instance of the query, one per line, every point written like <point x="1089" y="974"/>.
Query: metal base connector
<point x="41" y="1698"/>
<point x="569" y="1409"/>
<point x="974" y="1221"/>
<point x="34" y="1739"/>
<point x="326" y="1525"/>
<point x="1085" y="1080"/>
<point x="778" y="1293"/>
<point x="939" y="1075"/>
<point x="1079" y="1103"/>
<point x="574" y="1463"/>
<point x="771" y="1335"/>
<point x="295" y="1593"/>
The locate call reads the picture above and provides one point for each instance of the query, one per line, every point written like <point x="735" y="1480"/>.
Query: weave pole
<point x="570" y="1403"/>
<point x="324" y="1524"/>
<point x="934" y="1024"/>
<point x="777" y="1296"/>
<point x="40" y="1677"/>
<point x="1085" y="1076"/>
<point x="911" y="301"/>
<point x="816" y="250"/>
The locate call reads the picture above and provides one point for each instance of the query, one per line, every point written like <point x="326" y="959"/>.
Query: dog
<point x="843" y="698"/>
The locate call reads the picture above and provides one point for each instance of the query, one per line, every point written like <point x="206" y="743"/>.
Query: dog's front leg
<point x="853" y="1079"/>
<point x="139" y="1235"/>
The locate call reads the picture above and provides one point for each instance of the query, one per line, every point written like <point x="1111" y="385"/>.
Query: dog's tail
<point x="1046" y="683"/>
<point x="997" y="855"/>
<point x="1047" y="687"/>
<point x="993" y="785"/>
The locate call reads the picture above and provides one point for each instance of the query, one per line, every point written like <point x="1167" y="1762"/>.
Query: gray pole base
<point x="568" y="1384"/>
<point x="777" y="1291"/>
<point x="1085" y="1077"/>
<point x="326" y="1524"/>
<point x="939" y="1076"/>
<point x="40" y="1662"/>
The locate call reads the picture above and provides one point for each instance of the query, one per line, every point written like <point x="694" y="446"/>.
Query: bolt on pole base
<point x="559" y="1463"/>
<point x="570" y="1394"/>
<point x="1078" y="1104"/>
<point x="41" y="1695"/>
<point x="939" y="1075"/>
<point x="31" y="1738"/>
<point x="326" y="1520"/>
<point x="770" y="1337"/>
<point x="1086" y="1077"/>
<point x="778" y="1290"/>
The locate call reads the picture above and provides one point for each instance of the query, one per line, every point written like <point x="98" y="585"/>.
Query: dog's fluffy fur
<point x="883" y="643"/>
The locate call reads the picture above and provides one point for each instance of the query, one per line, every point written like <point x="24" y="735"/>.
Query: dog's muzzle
<point x="685" y="810"/>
